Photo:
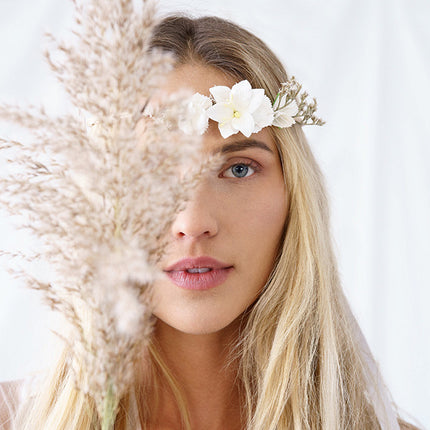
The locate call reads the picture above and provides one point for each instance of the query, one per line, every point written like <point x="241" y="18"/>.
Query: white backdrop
<point x="368" y="64"/>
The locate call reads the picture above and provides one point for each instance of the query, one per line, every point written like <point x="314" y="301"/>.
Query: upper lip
<point x="196" y="263"/>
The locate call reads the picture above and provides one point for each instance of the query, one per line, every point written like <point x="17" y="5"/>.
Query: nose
<point x="198" y="219"/>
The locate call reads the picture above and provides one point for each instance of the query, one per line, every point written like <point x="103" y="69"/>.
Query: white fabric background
<point x="368" y="64"/>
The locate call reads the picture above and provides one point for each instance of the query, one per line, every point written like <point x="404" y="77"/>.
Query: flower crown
<point x="248" y="110"/>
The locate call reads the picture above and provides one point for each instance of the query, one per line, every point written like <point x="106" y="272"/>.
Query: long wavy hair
<point x="303" y="363"/>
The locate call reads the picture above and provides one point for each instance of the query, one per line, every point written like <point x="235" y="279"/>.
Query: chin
<point x="196" y="325"/>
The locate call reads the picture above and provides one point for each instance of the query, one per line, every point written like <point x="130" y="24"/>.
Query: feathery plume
<point x="100" y="186"/>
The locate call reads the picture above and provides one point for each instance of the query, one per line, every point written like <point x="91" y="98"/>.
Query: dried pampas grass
<point x="100" y="186"/>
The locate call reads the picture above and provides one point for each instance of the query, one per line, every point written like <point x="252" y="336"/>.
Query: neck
<point x="199" y="364"/>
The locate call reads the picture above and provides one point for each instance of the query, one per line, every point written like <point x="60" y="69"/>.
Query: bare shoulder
<point x="9" y="400"/>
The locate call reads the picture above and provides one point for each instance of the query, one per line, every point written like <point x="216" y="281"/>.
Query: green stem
<point x="109" y="409"/>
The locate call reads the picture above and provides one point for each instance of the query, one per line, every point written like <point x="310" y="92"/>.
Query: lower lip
<point x="199" y="281"/>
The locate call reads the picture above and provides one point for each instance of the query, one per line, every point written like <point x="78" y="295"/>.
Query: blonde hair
<point x="302" y="361"/>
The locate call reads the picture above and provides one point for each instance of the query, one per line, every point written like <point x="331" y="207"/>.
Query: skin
<point x="238" y="221"/>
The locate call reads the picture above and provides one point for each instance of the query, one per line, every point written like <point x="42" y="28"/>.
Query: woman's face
<point x="230" y="229"/>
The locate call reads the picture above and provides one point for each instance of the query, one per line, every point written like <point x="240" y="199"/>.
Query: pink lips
<point x="200" y="273"/>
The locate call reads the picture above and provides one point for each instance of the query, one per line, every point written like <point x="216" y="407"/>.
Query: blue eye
<point x="240" y="170"/>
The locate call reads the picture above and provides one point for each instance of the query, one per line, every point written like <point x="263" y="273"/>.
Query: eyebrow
<point x="240" y="145"/>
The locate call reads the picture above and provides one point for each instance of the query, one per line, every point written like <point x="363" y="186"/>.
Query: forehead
<point x="198" y="78"/>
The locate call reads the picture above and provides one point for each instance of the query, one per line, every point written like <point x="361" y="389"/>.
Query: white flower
<point x="195" y="119"/>
<point x="284" y="116"/>
<point x="240" y="108"/>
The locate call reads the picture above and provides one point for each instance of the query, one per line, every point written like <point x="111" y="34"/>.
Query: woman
<point x="252" y="328"/>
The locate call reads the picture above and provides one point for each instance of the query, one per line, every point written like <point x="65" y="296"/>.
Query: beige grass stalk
<point x="101" y="192"/>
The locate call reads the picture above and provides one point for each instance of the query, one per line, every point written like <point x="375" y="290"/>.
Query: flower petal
<point x="241" y="95"/>
<point x="201" y="124"/>
<point x="221" y="112"/>
<point x="203" y="101"/>
<point x="242" y="86"/>
<point x="195" y="119"/>
<point x="263" y="115"/>
<point x="256" y="99"/>
<point x="282" y="120"/>
<point x="245" y="124"/>
<point x="220" y="93"/>
<point x="226" y="129"/>
<point x="284" y="117"/>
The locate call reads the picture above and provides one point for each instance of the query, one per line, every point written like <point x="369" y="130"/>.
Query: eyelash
<point x="252" y="164"/>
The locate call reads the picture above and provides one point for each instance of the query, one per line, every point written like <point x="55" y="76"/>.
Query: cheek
<point x="270" y="209"/>
<point x="259" y="213"/>
<point x="253" y="224"/>
<point x="258" y="237"/>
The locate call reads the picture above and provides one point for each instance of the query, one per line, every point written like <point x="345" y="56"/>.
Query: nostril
<point x="194" y="222"/>
<point x="193" y="234"/>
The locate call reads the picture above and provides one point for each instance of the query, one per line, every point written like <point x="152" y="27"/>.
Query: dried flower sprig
<point x="100" y="186"/>
<point x="304" y="109"/>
